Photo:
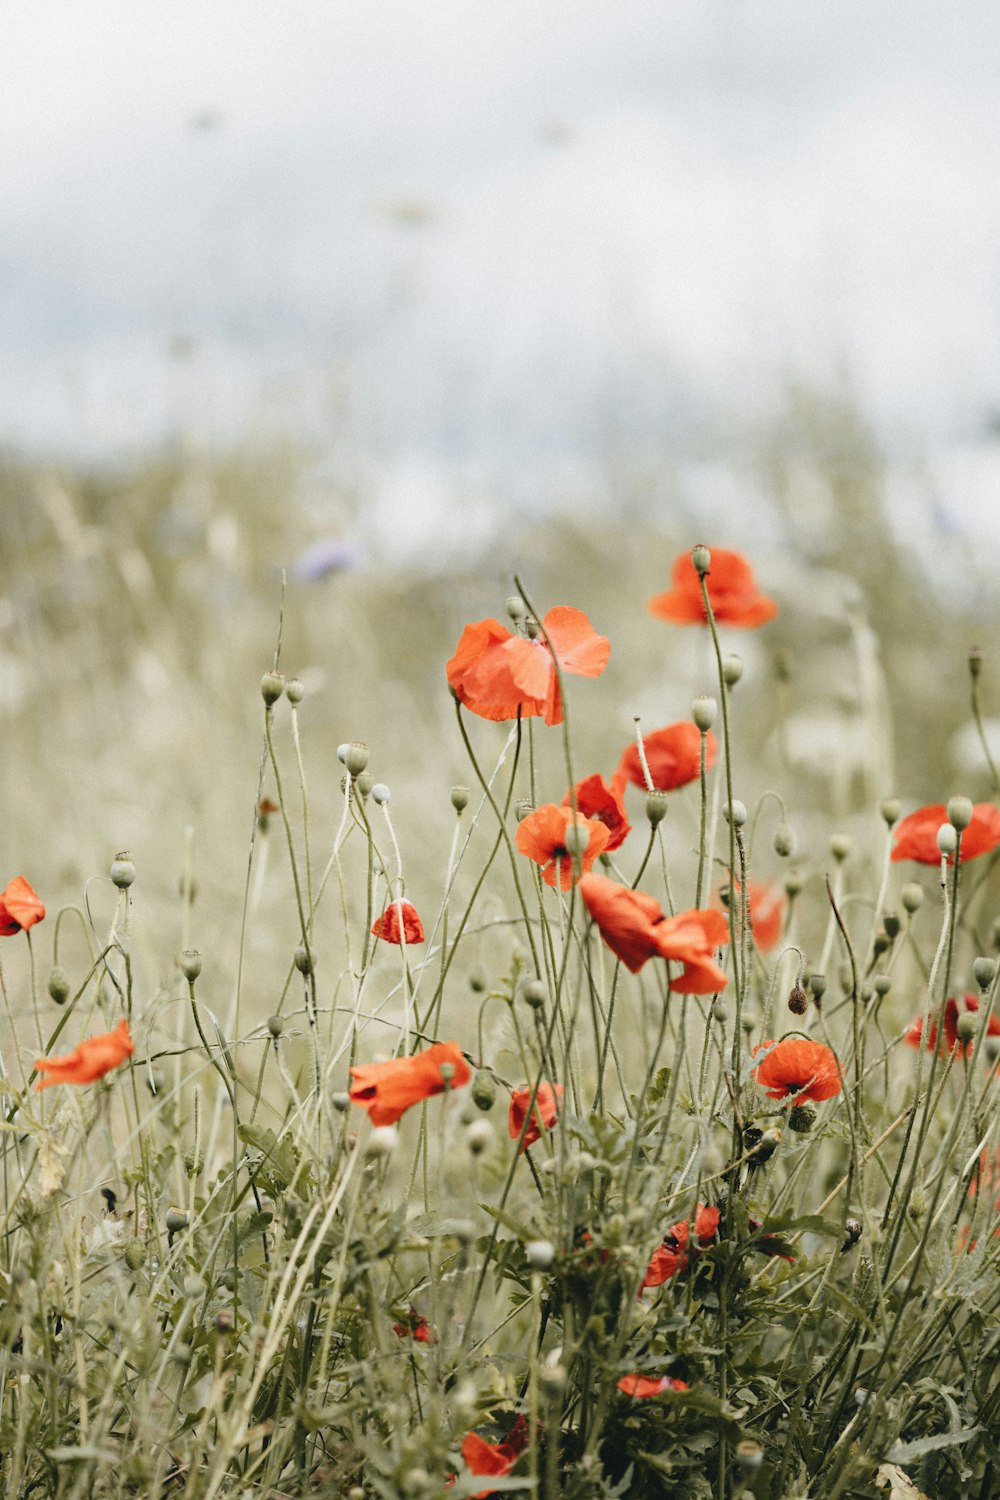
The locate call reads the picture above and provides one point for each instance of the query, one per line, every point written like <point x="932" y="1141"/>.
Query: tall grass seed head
<point x="703" y="711"/>
<point x="122" y="870"/>
<point x="272" y="685"/>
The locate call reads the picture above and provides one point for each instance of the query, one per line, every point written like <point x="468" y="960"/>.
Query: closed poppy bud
<point x="479" y="1136"/>
<point x="122" y="870"/>
<point x="276" y="1025"/>
<point x="365" y="784"/>
<point x="947" y="839"/>
<point x="484" y="1090"/>
<point x="732" y="669"/>
<point x="294" y="691"/>
<point x="340" y="1100"/>
<point x="983" y="971"/>
<point x="890" y="810"/>
<point x="881" y="942"/>
<point x="975" y="662"/>
<point x="959" y="812"/>
<point x="703" y="711"/>
<point x="135" y="1254"/>
<point x="516" y="607"/>
<point x="912" y="897"/>
<point x="305" y="962"/>
<point x="892" y="924"/>
<point x="540" y="1254"/>
<point x="356" y="757"/>
<point x="784" y="840"/>
<point x="656" y="807"/>
<point x="735" y="812"/>
<point x="817" y="984"/>
<point x="272" y="685"/>
<point x="965" y="1026"/>
<point x="460" y="798"/>
<point x="793" y="883"/>
<point x="478" y="979"/>
<point x="881" y="984"/>
<point x="380" y="793"/>
<point x="840" y="846"/>
<point x="190" y="964"/>
<point x="535" y="994"/>
<point x="798" y="1000"/>
<point x="59" y="985"/>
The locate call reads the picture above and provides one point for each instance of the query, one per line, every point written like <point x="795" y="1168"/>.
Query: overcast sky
<point x="494" y="230"/>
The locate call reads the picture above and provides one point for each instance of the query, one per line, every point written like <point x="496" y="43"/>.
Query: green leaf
<point x="905" y="1453"/>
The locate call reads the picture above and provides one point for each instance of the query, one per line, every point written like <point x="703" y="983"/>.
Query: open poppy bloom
<point x="544" y="1114"/>
<point x="915" y="836"/>
<point x="386" y="926"/>
<point x="416" y="1328"/>
<point x="388" y="1089"/>
<point x="602" y="803"/>
<point x="542" y="837"/>
<point x="634" y="927"/>
<point x="498" y="675"/>
<point x="732" y="592"/>
<point x="497" y="1459"/>
<point x="20" y="907"/>
<point x="649" y="1385"/>
<point x="89" y="1060"/>
<point x="672" y="1254"/>
<point x="673" y="755"/>
<point x="952" y="1010"/>
<point x="796" y="1066"/>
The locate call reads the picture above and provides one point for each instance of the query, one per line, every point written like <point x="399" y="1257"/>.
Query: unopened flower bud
<point x="223" y="1321"/>
<point x="516" y="607"/>
<point x="122" y="870"/>
<point x="190" y="964"/>
<point x="365" y="784"/>
<point x="890" y="810"/>
<point x="852" y="1232"/>
<point x="975" y="662"/>
<point x="840" y="846"/>
<point x="535" y="994"/>
<point x="305" y="959"/>
<point x="460" y="798"/>
<point x="793" y="883"/>
<point x="275" y="1025"/>
<point x="760" y="1145"/>
<point x="732" y="669"/>
<point x="59" y="985"/>
<point x="991" y="1047"/>
<point x="784" y="840"/>
<point x="478" y="979"/>
<point x="522" y="807"/>
<point x="947" y="839"/>
<point x="540" y="1254"/>
<point x="484" y="1090"/>
<point x="817" y="986"/>
<point x="801" y="1118"/>
<point x="735" y="812"/>
<point x="703" y="711"/>
<point x="983" y="972"/>
<point x="135" y="1254"/>
<point x="340" y="1100"/>
<point x="892" y="924"/>
<point x="719" y="1011"/>
<point x="701" y="557"/>
<point x="383" y="1141"/>
<point x="380" y="793"/>
<point x="881" y="984"/>
<point x="965" y="1026"/>
<point x="294" y="691"/>
<point x="881" y="942"/>
<point x="576" y="839"/>
<point x="272" y="685"/>
<point x="176" y="1220"/>
<point x="356" y="757"/>
<point x="479" y="1136"/>
<point x="912" y="897"/>
<point x="749" y="1455"/>
<point x="798" y="1000"/>
<point x="959" y="812"/>
<point x="656" y="807"/>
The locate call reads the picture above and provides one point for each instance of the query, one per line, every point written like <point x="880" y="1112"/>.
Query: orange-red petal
<point x="545" y="1113"/>
<point x="596" y="799"/>
<point x="673" y="755"/>
<point x="806" y="1069"/>
<point x="542" y="837"/>
<point x="732" y="592"/>
<point x="386" y="926"/>
<point x="89" y="1060"/>
<point x="915" y="836"/>
<point x="20" y="907"/>
<point x="388" y="1089"/>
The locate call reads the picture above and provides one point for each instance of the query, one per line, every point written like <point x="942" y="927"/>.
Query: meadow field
<point x="486" y="1034"/>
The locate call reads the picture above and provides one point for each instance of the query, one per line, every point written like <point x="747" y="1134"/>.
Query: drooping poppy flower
<point x="915" y="836"/>
<point x="542" y="837"/>
<point x="545" y="1113"/>
<point x="386" y="926"/>
<point x="497" y="675"/>
<point x="20" y="907"/>
<point x="388" y="1089"/>
<point x="952" y="1010"/>
<point x="496" y="1459"/>
<point x="732" y="592"/>
<point x="649" y="1385"/>
<point x="634" y="927"/>
<point x="800" y="1067"/>
<point x="416" y="1328"/>
<point x="89" y="1060"/>
<point x="673" y="755"/>
<point x="602" y="803"/>
<point x="672" y="1254"/>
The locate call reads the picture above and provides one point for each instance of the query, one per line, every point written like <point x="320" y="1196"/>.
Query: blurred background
<point x="402" y="299"/>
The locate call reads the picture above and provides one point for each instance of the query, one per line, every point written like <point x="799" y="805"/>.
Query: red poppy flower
<point x="915" y="836"/>
<point x="388" y="1089"/>
<point x="673" y="755"/>
<point x="89" y="1060"/>
<point x="497" y="675"/>
<point x="672" y="1254"/>
<point x="497" y="1459"/>
<point x="796" y="1066"/>
<point x="634" y="927"/>
<point x="732" y="592"/>
<point x="649" y="1385"/>
<point x="603" y="803"/>
<point x="416" y="1328"/>
<point x="545" y="1112"/>
<point x="386" y="926"/>
<point x="20" y="907"/>
<point x="952" y="1010"/>
<point x="542" y="837"/>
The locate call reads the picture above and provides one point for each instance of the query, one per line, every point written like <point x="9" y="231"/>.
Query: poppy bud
<point x="701" y="557"/>
<point x="719" y="1011"/>
<point x="190" y="964"/>
<point x="540" y="1254"/>
<point x="516" y="607"/>
<point x="881" y="984"/>
<point x="365" y="784"/>
<point x="276" y="1025"/>
<point x="983" y="972"/>
<point x="339" y="1100"/>
<point x="975" y="662"/>
<point x="817" y="984"/>
<point x="881" y="942"/>
<point x="223" y="1321"/>
<point x="784" y="840"/>
<point x="991" y="1046"/>
<point x="890" y="810"/>
<point x="122" y="870"/>
<point x="294" y="691"/>
<point x="479" y="1136"/>
<point x="947" y="839"/>
<point x="749" y="1455"/>
<point x="656" y="807"/>
<point x="59" y="985"/>
<point x="892" y="924"/>
<point x="959" y="812"/>
<point x="522" y="807"/>
<point x="840" y="846"/>
<point x="798" y="1000"/>
<point x="735" y="812"/>
<point x="447" y="1071"/>
<point x="176" y="1220"/>
<point x="535" y="994"/>
<point x="576" y="839"/>
<point x="383" y="1141"/>
<point x="460" y="798"/>
<point x="703" y="711"/>
<point x="272" y="685"/>
<point x="380" y="793"/>
<point x="135" y="1254"/>
<point x="356" y="1493"/>
<point x="760" y="1145"/>
<point x="912" y="897"/>
<point x="852" y="1229"/>
<point x="484" y="1090"/>
<point x="801" y="1118"/>
<point x="732" y="669"/>
<point x="793" y="883"/>
<point x="478" y="979"/>
<point x="355" y="757"/>
<point x="305" y="960"/>
<point x="531" y="628"/>
<point x="965" y="1026"/>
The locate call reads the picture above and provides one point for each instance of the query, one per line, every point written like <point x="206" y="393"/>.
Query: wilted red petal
<point x="649" y="1385"/>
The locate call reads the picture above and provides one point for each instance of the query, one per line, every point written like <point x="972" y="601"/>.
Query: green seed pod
<point x="122" y="870"/>
<point x="516" y="607"/>
<point x="305" y="959"/>
<point x="701" y="557"/>
<point x="356" y="758"/>
<point x="535" y="994"/>
<point x="965" y="1026"/>
<point x="656" y="807"/>
<point x="735" y="812"/>
<point x="947" y="838"/>
<point x="959" y="812"/>
<point x="59" y="985"/>
<point x="275" y="1025"/>
<point x="840" y="846"/>
<point x="881" y="984"/>
<point x="294" y="691"/>
<point x="983" y="971"/>
<point x="272" y="685"/>
<point x="176" y="1220"/>
<point x="704" y="710"/>
<point x="732" y="669"/>
<point x="460" y="798"/>
<point x="890" y="810"/>
<point x="380" y="793"/>
<point x="478" y="979"/>
<point x="912" y="897"/>
<point x="135" y="1254"/>
<point x="484" y="1090"/>
<point x="892" y="924"/>
<point x="190" y="964"/>
<point x="793" y="884"/>
<point x="817" y="985"/>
